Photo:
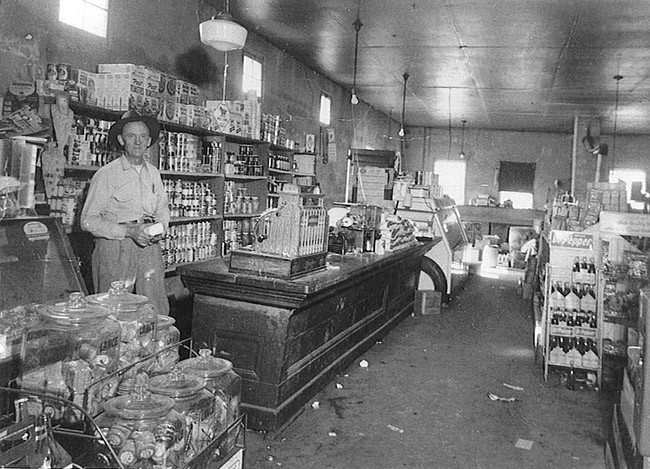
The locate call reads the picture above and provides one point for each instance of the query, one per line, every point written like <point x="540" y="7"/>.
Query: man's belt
<point x="139" y="220"/>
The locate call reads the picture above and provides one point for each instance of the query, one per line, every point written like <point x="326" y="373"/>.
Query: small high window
<point x="325" y="109"/>
<point x="451" y="176"/>
<point x="252" y="76"/>
<point x="635" y="185"/>
<point x="89" y="15"/>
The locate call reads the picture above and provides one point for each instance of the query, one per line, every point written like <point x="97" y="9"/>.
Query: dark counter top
<point x="212" y="277"/>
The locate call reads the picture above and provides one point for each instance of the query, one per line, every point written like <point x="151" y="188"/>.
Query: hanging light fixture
<point x="222" y="32"/>
<point x="401" y="128"/>
<point x="618" y="79"/>
<point x="462" y="141"/>
<point x="357" y="26"/>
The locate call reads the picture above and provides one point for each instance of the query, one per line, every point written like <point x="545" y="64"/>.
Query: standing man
<point x="127" y="211"/>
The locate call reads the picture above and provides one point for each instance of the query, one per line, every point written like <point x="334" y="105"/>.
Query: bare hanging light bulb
<point x="462" y="141"/>
<point x="357" y="26"/>
<point x="401" y="129"/>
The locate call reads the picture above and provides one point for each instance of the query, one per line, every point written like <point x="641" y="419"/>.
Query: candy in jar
<point x="222" y="381"/>
<point x="145" y="430"/>
<point x="194" y="402"/>
<point x="71" y="352"/>
<point x="137" y="320"/>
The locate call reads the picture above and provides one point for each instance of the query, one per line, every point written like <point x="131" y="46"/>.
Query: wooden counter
<point x="505" y="216"/>
<point x="287" y="339"/>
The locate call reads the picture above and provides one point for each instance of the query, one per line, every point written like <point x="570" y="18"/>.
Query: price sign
<point x="572" y="239"/>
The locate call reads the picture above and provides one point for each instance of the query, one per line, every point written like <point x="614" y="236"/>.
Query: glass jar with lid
<point x="137" y="319"/>
<point x="144" y="430"/>
<point x="220" y="379"/>
<point x="167" y="353"/>
<point x="195" y="403"/>
<point x="71" y="352"/>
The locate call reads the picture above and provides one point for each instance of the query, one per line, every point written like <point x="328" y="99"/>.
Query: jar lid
<point x="163" y="321"/>
<point x="118" y="298"/>
<point x="205" y="365"/>
<point x="139" y="405"/>
<point x="73" y="312"/>
<point x="176" y="384"/>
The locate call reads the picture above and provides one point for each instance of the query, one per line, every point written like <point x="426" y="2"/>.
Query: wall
<point x="164" y="34"/>
<point x="484" y="150"/>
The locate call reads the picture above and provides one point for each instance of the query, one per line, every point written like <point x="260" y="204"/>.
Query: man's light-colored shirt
<point x="119" y="194"/>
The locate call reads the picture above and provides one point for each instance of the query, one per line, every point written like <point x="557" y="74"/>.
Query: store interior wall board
<point x="34" y="37"/>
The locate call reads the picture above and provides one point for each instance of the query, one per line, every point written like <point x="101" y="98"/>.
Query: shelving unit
<point x="195" y="196"/>
<point x="572" y="324"/>
<point x="242" y="184"/>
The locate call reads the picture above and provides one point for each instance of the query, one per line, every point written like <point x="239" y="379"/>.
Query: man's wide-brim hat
<point x="133" y="116"/>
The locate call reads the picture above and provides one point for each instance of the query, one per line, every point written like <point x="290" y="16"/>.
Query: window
<point x="89" y="15"/>
<point x="518" y="199"/>
<point x="451" y="176"/>
<point x="325" y="109"/>
<point x="252" y="76"/>
<point x="634" y="185"/>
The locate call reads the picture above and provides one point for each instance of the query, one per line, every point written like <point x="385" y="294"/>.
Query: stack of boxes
<point x="273" y="129"/>
<point x="576" y="216"/>
<point x="372" y="183"/>
<point x="235" y="117"/>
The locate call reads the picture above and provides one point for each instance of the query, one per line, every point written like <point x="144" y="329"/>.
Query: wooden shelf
<point x="79" y="167"/>
<point x="177" y="220"/>
<point x="243" y="177"/>
<point x="167" y="172"/>
<point x="241" y="215"/>
<point x="279" y="171"/>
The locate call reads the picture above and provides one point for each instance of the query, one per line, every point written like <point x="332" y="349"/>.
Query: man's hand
<point x="136" y="232"/>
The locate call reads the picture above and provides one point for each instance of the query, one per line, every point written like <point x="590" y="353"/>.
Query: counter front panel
<point x="287" y="339"/>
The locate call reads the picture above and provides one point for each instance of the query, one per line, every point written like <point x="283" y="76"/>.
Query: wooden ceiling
<point x="529" y="65"/>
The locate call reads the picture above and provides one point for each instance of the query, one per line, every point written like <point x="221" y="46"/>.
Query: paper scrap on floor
<point x="523" y="444"/>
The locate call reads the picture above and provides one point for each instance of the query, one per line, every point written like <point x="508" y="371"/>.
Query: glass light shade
<point x="223" y="33"/>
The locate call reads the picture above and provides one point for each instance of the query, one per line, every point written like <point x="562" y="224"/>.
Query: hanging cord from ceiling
<point x="401" y="129"/>
<point x="449" y="122"/>
<point x="618" y="79"/>
<point x="357" y="26"/>
<point x="462" y="141"/>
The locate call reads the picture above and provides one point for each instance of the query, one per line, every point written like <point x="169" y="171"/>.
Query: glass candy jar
<point x="70" y="352"/>
<point x="144" y="430"/>
<point x="195" y="403"/>
<point x="219" y="379"/>
<point x="136" y="317"/>
<point x="167" y="355"/>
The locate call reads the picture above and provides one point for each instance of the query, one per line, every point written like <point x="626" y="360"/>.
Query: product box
<point x="427" y="302"/>
<point x="167" y="87"/>
<point x="151" y="106"/>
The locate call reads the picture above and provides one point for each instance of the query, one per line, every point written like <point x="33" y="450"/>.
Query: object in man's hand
<point x="155" y="229"/>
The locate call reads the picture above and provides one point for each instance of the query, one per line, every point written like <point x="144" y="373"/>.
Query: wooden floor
<point x="422" y="401"/>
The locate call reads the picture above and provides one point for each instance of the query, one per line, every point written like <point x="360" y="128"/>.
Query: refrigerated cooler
<point x="438" y="219"/>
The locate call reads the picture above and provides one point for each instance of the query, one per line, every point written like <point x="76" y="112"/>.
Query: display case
<point x="37" y="266"/>
<point x="443" y="267"/>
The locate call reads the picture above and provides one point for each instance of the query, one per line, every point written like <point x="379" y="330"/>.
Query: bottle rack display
<point x="572" y="317"/>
